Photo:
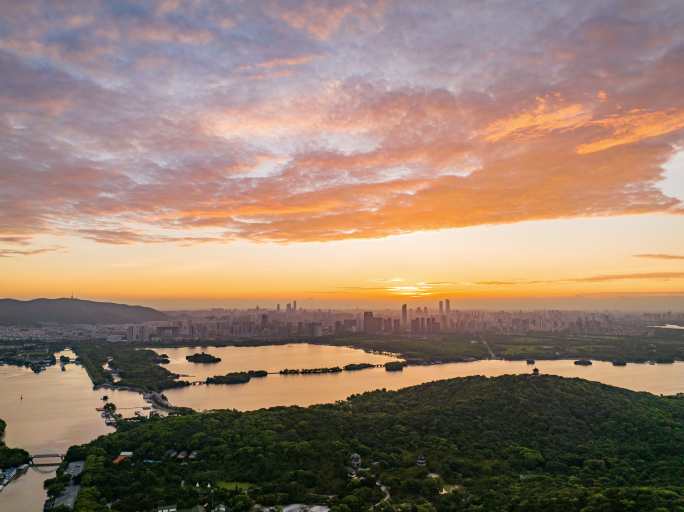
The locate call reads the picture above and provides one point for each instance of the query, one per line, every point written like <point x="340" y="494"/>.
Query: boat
<point x="583" y="362"/>
<point x="531" y="361"/>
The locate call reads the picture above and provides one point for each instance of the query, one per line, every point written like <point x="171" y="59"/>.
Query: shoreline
<point x="411" y="361"/>
<point x="163" y="404"/>
<point x="157" y="399"/>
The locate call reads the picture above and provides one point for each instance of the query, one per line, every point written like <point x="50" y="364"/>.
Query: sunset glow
<point x="184" y="154"/>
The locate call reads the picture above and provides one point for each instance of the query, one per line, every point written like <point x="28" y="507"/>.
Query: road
<point x="386" y="492"/>
<point x="492" y="355"/>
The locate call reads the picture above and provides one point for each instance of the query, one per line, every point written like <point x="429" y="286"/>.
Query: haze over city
<point x="352" y="154"/>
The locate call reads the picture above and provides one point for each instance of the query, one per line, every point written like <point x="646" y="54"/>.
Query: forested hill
<point x="512" y="443"/>
<point x="73" y="311"/>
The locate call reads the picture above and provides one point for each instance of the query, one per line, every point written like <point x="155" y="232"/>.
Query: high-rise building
<point x="447" y="306"/>
<point x="278" y="308"/>
<point x="404" y="315"/>
<point x="371" y="324"/>
<point x="441" y="307"/>
<point x="294" y="306"/>
<point x="367" y="320"/>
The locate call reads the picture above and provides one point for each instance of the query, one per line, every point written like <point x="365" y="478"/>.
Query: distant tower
<point x="294" y="306"/>
<point x="447" y="306"/>
<point x="278" y="308"/>
<point x="404" y="315"/>
<point x="441" y="307"/>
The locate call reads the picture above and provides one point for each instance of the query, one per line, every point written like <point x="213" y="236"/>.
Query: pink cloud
<point x="322" y="19"/>
<point x="129" y="127"/>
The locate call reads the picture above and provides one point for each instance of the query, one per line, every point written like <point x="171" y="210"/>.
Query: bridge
<point x="57" y="459"/>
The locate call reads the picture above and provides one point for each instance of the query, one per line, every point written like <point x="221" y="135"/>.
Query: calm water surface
<point x="58" y="410"/>
<point x="271" y="358"/>
<point x="313" y="389"/>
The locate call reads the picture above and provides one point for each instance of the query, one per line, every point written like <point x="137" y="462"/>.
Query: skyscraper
<point x="441" y="307"/>
<point x="368" y="322"/>
<point x="404" y="315"/>
<point x="447" y="305"/>
<point x="294" y="306"/>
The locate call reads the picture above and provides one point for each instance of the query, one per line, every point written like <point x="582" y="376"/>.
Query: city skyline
<point x="194" y="154"/>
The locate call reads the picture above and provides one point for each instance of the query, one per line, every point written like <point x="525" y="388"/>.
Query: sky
<point x="343" y="153"/>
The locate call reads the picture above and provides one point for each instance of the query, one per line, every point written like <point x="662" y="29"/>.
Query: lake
<point x="271" y="358"/>
<point x="58" y="409"/>
<point x="275" y="390"/>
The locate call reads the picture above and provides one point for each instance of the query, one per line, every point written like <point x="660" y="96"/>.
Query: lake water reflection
<point x="271" y="358"/>
<point x="58" y="410"/>
<point x="312" y="389"/>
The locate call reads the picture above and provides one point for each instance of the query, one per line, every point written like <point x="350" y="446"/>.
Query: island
<point x="395" y="366"/>
<point x="357" y="366"/>
<point x="236" y="377"/>
<point x="203" y="357"/>
<point x="512" y="443"/>
<point x="33" y="355"/>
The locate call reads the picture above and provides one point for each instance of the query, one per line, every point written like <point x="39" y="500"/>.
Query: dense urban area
<point x="293" y="321"/>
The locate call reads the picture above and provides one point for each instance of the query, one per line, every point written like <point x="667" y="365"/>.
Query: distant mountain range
<point x="73" y="311"/>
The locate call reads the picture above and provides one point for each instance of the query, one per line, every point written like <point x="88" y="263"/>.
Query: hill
<point x="73" y="311"/>
<point x="512" y="443"/>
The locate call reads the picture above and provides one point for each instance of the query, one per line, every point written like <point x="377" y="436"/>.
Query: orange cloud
<point x="9" y="253"/>
<point x="104" y="151"/>
<point x="660" y="256"/>
<point x="545" y="117"/>
<point x="633" y="127"/>
<point x="602" y="278"/>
